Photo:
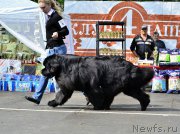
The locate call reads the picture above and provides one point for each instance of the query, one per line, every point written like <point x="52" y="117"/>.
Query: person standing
<point x="56" y="30"/>
<point x="158" y="43"/>
<point x="142" y="44"/>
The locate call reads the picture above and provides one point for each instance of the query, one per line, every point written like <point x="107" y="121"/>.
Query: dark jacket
<point x="55" y="24"/>
<point x="141" y="46"/>
<point x="160" y="44"/>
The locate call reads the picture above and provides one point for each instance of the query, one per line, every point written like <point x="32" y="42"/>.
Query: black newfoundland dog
<point x="100" y="78"/>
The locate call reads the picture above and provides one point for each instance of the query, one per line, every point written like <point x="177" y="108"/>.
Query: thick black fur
<point x="100" y="78"/>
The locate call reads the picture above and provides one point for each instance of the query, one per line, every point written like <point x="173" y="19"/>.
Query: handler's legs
<point x="42" y="87"/>
<point x="37" y="96"/>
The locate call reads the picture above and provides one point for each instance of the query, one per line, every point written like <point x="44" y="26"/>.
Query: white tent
<point x="24" y="20"/>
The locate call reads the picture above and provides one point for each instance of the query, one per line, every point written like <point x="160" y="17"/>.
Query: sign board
<point x="163" y="17"/>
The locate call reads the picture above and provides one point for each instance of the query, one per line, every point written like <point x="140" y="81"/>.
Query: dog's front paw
<point x="52" y="103"/>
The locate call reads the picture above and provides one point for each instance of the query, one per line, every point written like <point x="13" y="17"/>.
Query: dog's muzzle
<point x="46" y="73"/>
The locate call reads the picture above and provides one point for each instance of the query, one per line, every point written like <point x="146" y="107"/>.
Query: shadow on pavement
<point x="122" y="107"/>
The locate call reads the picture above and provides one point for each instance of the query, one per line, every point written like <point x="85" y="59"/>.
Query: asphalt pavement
<point x="18" y="116"/>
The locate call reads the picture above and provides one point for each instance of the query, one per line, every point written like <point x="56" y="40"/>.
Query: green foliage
<point x="61" y="2"/>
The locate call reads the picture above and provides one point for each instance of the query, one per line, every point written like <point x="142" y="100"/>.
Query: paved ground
<point x="18" y="116"/>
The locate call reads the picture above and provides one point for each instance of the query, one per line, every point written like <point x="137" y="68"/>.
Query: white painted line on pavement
<point x="92" y="112"/>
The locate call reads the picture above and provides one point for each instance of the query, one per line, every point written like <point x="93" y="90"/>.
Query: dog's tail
<point x="142" y="75"/>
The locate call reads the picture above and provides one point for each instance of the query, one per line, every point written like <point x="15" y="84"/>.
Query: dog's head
<point x="52" y="65"/>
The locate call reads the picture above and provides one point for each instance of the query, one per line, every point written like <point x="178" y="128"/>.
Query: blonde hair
<point x="53" y="5"/>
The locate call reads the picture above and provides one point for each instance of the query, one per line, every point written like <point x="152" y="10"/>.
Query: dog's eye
<point x="52" y="68"/>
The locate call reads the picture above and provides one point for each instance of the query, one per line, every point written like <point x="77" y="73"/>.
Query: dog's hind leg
<point x="140" y="95"/>
<point x="61" y="97"/>
<point x="96" y="99"/>
<point x="107" y="102"/>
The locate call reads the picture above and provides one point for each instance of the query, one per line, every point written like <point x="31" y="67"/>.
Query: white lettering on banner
<point x="158" y="30"/>
<point x="73" y="28"/>
<point x="85" y="30"/>
<point x="94" y="31"/>
<point x="134" y="15"/>
<point x="169" y="30"/>
<point x="165" y="30"/>
<point x="177" y="30"/>
<point x="107" y="28"/>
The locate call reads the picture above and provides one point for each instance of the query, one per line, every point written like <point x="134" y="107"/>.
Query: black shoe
<point x="52" y="103"/>
<point x="32" y="100"/>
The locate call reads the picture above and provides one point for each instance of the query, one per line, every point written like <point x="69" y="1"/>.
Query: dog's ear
<point x="48" y="59"/>
<point x="56" y="61"/>
<point x="52" y="60"/>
